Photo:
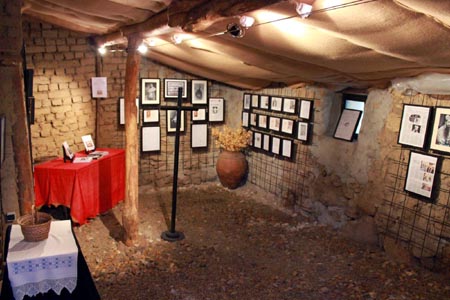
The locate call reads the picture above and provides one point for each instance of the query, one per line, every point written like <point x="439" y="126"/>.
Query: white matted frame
<point x="255" y="101"/>
<point x="150" y="116"/>
<point x="262" y="121"/>
<point x="150" y="91"/>
<point x="287" y="148"/>
<point x="216" y="110"/>
<point x="171" y="87"/>
<point x="122" y="111"/>
<point x="150" y="139"/>
<point x="287" y="126"/>
<point x="276" y="103"/>
<point x="172" y="121"/>
<point x="274" y="123"/>
<point x="266" y="143"/>
<point x="245" y="119"/>
<point x="440" y="137"/>
<point x="199" y="90"/>
<point x="302" y="131"/>
<point x="275" y="146"/>
<point x="253" y="119"/>
<point x="264" y="102"/>
<point x="414" y="125"/>
<point x="420" y="177"/>
<point x="247" y="101"/>
<point x="257" y="140"/>
<point x="290" y="105"/>
<point x="198" y="115"/>
<point x="199" y="135"/>
<point x="306" y="107"/>
<point x="346" y="127"/>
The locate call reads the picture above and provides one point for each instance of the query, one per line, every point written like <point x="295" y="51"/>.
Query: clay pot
<point x="231" y="168"/>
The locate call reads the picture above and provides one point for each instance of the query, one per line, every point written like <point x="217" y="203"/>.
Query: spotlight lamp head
<point x="102" y="50"/>
<point x="303" y="9"/>
<point x="235" y="30"/>
<point x="246" y="21"/>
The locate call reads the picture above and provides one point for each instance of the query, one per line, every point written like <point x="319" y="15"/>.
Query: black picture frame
<point x="257" y="140"/>
<point x="122" y="111"/>
<point x="199" y="92"/>
<point x="275" y="145"/>
<point x="302" y="131"/>
<point x="440" y="134"/>
<point x="264" y="102"/>
<point x="255" y="101"/>
<point x="199" y="135"/>
<point x="171" y="121"/>
<point x="275" y="123"/>
<point x="216" y="111"/>
<point x="199" y="115"/>
<point x="263" y="122"/>
<point x="150" y="116"/>
<point x="347" y="124"/>
<point x="287" y="127"/>
<point x="266" y="144"/>
<point x="246" y="101"/>
<point x="414" y="125"/>
<point x="254" y="119"/>
<point x="276" y="103"/>
<point x="171" y="86"/>
<point x="150" y="139"/>
<point x="287" y="148"/>
<point x="289" y="105"/>
<point x="305" y="109"/>
<point x="245" y="119"/>
<point x="150" y="91"/>
<point x="421" y="178"/>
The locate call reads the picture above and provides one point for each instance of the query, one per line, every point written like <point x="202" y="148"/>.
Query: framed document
<point x="305" y="109"/>
<point x="171" y="87"/>
<point x="440" y="137"/>
<point x="150" y="115"/>
<point x="287" y="126"/>
<point x="276" y="145"/>
<point x="255" y="101"/>
<point x="199" y="90"/>
<point x="199" y="135"/>
<point x="257" y="140"/>
<point x="150" y="138"/>
<point x="347" y="124"/>
<point x="253" y="119"/>
<point x="216" y="110"/>
<point x="172" y="121"/>
<point x="289" y="105"/>
<point x="276" y="103"/>
<point x="122" y="111"/>
<point x="198" y="115"/>
<point x="274" y="123"/>
<point x="287" y="148"/>
<point x="302" y="131"/>
<point x="262" y="122"/>
<point x="264" y="102"/>
<point x="245" y="121"/>
<point x="99" y="87"/>
<point x="266" y="143"/>
<point x="150" y="88"/>
<point x="420" y="177"/>
<point x="247" y="101"/>
<point x="88" y="142"/>
<point x="414" y="125"/>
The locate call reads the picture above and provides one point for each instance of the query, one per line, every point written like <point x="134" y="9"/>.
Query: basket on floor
<point x="35" y="232"/>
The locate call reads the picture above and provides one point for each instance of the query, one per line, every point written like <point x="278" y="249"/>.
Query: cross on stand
<point x="172" y="235"/>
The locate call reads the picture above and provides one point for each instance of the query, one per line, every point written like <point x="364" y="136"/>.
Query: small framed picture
<point x="290" y="105"/>
<point x="266" y="142"/>
<point x="253" y="119"/>
<point x="302" y="131"/>
<point x="88" y="143"/>
<point x="257" y="140"/>
<point x="122" y="111"/>
<point x="420" y="177"/>
<point x="250" y="142"/>
<point x="276" y="145"/>
<point x="305" y="109"/>
<point x="99" y="87"/>
<point x="287" y="126"/>
<point x="347" y="124"/>
<point x="150" y="139"/>
<point x="262" y="121"/>
<point x="216" y="110"/>
<point x="287" y="148"/>
<point x="274" y="123"/>
<point x="171" y="87"/>
<point x="150" y="89"/>
<point x="264" y="102"/>
<point x="245" y="119"/>
<point x="172" y="121"/>
<point x="198" y="115"/>
<point x="276" y="103"/>
<point x="199" y="135"/>
<point x="247" y="101"/>
<point x="199" y="90"/>
<point x="255" y="101"/>
<point x="440" y="136"/>
<point x="414" y="125"/>
<point x="150" y="115"/>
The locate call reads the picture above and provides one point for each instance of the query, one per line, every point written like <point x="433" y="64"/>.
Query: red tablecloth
<point x="88" y="189"/>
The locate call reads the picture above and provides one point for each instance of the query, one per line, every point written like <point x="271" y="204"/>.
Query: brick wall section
<point x="63" y="64"/>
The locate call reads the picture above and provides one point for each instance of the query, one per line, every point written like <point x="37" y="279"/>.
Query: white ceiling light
<point x="102" y="50"/>
<point x="177" y="39"/>
<point x="247" y="21"/>
<point x="152" y="43"/>
<point x="142" y="48"/>
<point x="303" y="9"/>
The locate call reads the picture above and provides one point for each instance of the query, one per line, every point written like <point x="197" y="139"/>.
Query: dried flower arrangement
<point x="231" y="139"/>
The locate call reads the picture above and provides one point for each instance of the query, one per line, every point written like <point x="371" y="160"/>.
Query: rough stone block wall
<point x="63" y="65"/>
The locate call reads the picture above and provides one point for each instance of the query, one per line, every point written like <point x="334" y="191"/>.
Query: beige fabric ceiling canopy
<point x="343" y="43"/>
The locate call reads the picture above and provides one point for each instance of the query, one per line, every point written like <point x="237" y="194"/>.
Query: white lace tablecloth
<point x="37" y="267"/>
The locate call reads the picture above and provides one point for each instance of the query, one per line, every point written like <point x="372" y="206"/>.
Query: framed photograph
<point x="287" y="148"/>
<point x="440" y="137"/>
<point x="264" y="102"/>
<point x="247" y="101"/>
<point x="276" y="103"/>
<point x="199" y="135"/>
<point x="199" y="90"/>
<point x="287" y="126"/>
<point x="172" y="121"/>
<point x="198" y="115"/>
<point x="290" y="105"/>
<point x="302" y="131"/>
<point x="420" y="177"/>
<point x="88" y="143"/>
<point x="2" y="139"/>
<point x="274" y="123"/>
<point x="347" y="123"/>
<point x="99" y="87"/>
<point x="150" y="115"/>
<point x="171" y="87"/>
<point x="266" y="142"/>
<point x="150" y="138"/>
<point x="305" y="109"/>
<point x="253" y="119"/>
<point x="245" y="120"/>
<point x="216" y="110"/>
<point x="255" y="101"/>
<point x="276" y="145"/>
<point x="122" y="111"/>
<point x="150" y="89"/>
<point x="262" y="121"/>
<point x="257" y="140"/>
<point x="414" y="125"/>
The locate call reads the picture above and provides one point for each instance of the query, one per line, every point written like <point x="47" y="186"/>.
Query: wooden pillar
<point x="130" y="212"/>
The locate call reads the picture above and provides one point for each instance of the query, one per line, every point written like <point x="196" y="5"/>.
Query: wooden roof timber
<point x="191" y="16"/>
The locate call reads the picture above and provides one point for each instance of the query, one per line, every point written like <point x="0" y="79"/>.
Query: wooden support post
<point x="130" y="212"/>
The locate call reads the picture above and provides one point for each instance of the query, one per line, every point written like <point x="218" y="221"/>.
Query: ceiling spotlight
<point x="235" y="30"/>
<point x="102" y="50"/>
<point x="247" y="21"/>
<point x="177" y="39"/>
<point x="303" y="9"/>
<point x="152" y="43"/>
<point x="142" y="48"/>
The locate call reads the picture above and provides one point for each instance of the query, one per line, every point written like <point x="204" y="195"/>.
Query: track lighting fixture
<point x="235" y="30"/>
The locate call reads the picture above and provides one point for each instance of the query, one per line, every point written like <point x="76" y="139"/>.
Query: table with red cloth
<point x="88" y="189"/>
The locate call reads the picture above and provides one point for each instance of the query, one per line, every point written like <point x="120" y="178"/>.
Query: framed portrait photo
<point x="172" y="121"/>
<point x="150" y="139"/>
<point x="266" y="143"/>
<point x="122" y="111"/>
<point x="257" y="140"/>
<point x="199" y="135"/>
<point x="287" y="126"/>
<point x="247" y="101"/>
<point x="255" y="101"/>
<point x="305" y="109"/>
<point x="274" y="123"/>
<point x="171" y="87"/>
<point x="216" y="110"/>
<point x="253" y="119"/>
<point x="276" y="103"/>
<point x="264" y="102"/>
<point x="150" y="90"/>
<point x="289" y="105"/>
<point x="245" y="119"/>
<point x="262" y="121"/>
<point x="302" y="131"/>
<point x="414" y="125"/>
<point x="440" y="136"/>
<point x="347" y="124"/>
<point x="420" y="177"/>
<point x="198" y="115"/>
<point x="275" y="147"/>
<point x="199" y="90"/>
<point x="287" y="147"/>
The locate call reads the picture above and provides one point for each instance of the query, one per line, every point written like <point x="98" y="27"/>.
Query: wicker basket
<point x="38" y="231"/>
